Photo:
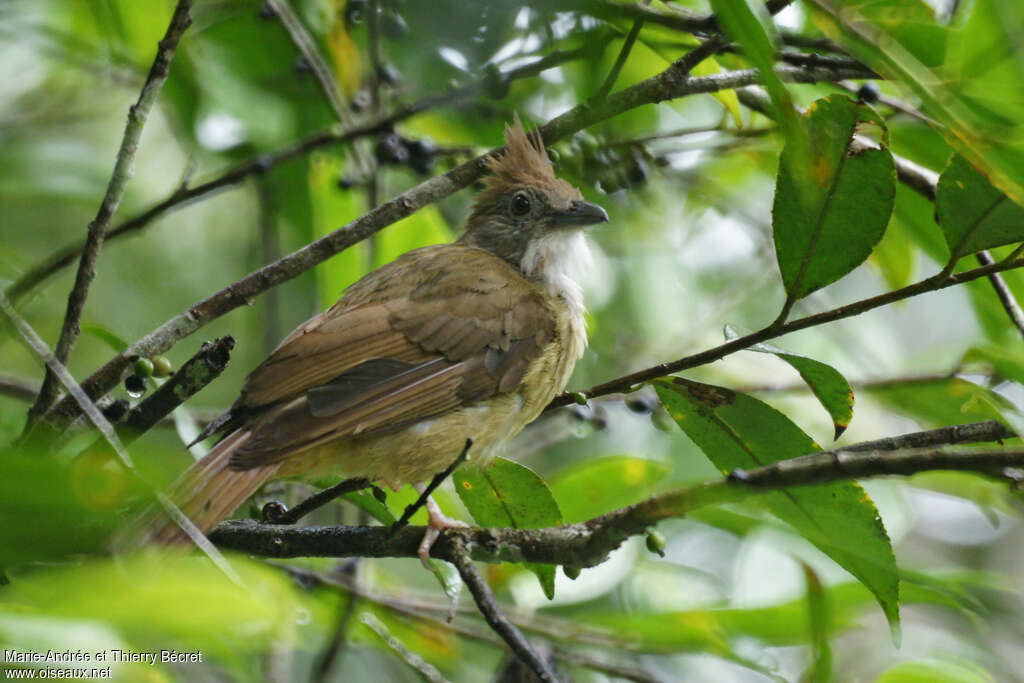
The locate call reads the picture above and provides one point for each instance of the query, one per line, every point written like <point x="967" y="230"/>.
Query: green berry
<point x="161" y="366"/>
<point x="656" y="543"/>
<point x="143" y="367"/>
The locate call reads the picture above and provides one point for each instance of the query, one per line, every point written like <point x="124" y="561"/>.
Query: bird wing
<point x="440" y="327"/>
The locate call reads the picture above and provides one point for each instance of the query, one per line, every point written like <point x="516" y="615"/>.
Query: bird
<point x="464" y="340"/>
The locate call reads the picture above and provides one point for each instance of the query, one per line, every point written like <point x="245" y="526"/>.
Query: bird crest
<point x="524" y="163"/>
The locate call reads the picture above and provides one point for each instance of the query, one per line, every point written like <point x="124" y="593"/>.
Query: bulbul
<point x="468" y="340"/>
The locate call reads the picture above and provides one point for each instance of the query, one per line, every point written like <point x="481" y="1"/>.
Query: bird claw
<point x="437" y="522"/>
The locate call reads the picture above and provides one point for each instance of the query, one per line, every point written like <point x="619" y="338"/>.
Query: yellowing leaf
<point x="344" y="54"/>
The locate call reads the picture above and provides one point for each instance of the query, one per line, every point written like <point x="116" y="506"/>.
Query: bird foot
<point x="437" y="522"/>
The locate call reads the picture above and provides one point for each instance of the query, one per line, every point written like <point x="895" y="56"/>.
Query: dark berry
<point x="641" y="404"/>
<point x="868" y="93"/>
<point x="272" y="511"/>
<point x="135" y="385"/>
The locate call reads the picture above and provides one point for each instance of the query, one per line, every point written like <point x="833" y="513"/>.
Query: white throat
<point x="555" y="261"/>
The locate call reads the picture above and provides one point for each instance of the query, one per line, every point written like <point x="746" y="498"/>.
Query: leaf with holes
<point x="738" y="431"/>
<point x="507" y="494"/>
<point x="832" y="210"/>
<point x="826" y="383"/>
<point x="973" y="214"/>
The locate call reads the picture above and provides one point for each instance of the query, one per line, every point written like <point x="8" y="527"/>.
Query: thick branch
<point x="588" y="543"/>
<point x="123" y="171"/>
<point x="672" y="83"/>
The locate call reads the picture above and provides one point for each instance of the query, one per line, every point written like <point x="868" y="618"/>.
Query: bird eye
<point x="520" y="204"/>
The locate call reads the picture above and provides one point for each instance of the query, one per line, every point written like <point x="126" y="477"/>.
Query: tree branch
<point x="198" y="371"/>
<point x="123" y="171"/>
<point x="308" y="49"/>
<point x="672" y="83"/>
<point x="498" y="622"/>
<point x="184" y="195"/>
<point x="925" y="182"/>
<point x="1003" y="292"/>
<point x="321" y="498"/>
<point x="587" y="543"/>
<point x="932" y="284"/>
<point x="38" y="347"/>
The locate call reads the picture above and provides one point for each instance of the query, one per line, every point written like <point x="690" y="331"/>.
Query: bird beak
<point x="579" y="214"/>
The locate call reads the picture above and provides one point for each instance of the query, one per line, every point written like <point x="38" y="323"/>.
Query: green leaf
<point x="831" y="388"/>
<point x="894" y="256"/>
<point x="333" y="208"/>
<point x="107" y="336"/>
<point x="939" y="402"/>
<point x="975" y="102"/>
<point x="740" y="23"/>
<point x="830" y="212"/>
<point x="1006" y="362"/>
<point x="936" y="671"/>
<point x="156" y="599"/>
<point x="738" y="431"/>
<point x="594" y="487"/>
<point x="973" y="214"/>
<point x="786" y="623"/>
<point x="507" y="494"/>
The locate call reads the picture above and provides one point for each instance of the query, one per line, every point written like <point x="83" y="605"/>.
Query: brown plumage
<point x="449" y="342"/>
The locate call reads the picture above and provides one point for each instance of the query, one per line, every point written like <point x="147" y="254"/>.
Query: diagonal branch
<point x="674" y="82"/>
<point x="38" y="347"/>
<point x="184" y="195"/>
<point x="307" y="47"/>
<point x="498" y="622"/>
<point x="123" y="170"/>
<point x="932" y="284"/>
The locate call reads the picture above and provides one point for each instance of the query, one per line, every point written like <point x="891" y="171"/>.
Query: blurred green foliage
<point x="689" y="185"/>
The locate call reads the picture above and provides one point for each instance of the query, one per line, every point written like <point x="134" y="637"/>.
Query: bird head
<point x="525" y="214"/>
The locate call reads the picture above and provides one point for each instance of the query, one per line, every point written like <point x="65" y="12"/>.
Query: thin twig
<point x="183" y="195"/>
<point x="431" y="487"/>
<point x="934" y="283"/>
<point x="620" y="61"/>
<point x="321" y="498"/>
<point x="38" y="347"/>
<point x="672" y="83"/>
<point x="21" y="389"/>
<point x="972" y="432"/>
<point x="138" y="113"/>
<point x="420" y="612"/>
<point x="925" y="182"/>
<point x="198" y="371"/>
<point x="1003" y="291"/>
<point x="424" y="668"/>
<point x="335" y="649"/>
<point x="484" y="598"/>
<point x="308" y="49"/>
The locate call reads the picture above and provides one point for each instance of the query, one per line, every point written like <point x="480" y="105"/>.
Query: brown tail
<point x="206" y="492"/>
